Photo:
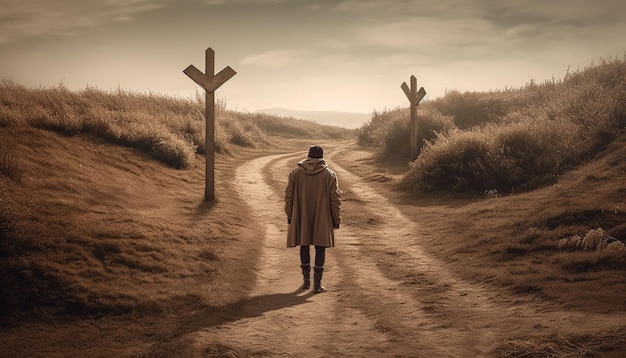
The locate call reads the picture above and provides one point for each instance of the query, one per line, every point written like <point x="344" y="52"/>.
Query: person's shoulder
<point x="331" y="172"/>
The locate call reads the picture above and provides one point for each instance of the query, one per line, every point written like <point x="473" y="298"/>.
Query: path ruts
<point x="370" y="309"/>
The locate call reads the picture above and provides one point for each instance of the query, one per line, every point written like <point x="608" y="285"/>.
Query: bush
<point x="388" y="132"/>
<point x="470" y="109"/>
<point x="392" y="136"/>
<point x="456" y="161"/>
<point x="520" y="139"/>
<point x="431" y="123"/>
<point x="513" y="157"/>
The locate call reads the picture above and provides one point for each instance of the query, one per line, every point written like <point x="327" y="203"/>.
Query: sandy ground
<point x="216" y="280"/>
<point x="387" y="296"/>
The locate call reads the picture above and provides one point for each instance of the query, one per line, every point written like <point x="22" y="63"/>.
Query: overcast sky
<point x="342" y="55"/>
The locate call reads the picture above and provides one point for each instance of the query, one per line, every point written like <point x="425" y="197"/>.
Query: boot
<point x="317" y="280"/>
<point x="306" y="276"/>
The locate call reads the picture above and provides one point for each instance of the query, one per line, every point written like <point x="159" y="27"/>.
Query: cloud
<point x="333" y="44"/>
<point x="425" y="33"/>
<point x="385" y="9"/>
<point x="274" y="59"/>
<point x="446" y="30"/>
<point x="246" y="2"/>
<point x="521" y="9"/>
<point x="502" y="14"/>
<point x="37" y="18"/>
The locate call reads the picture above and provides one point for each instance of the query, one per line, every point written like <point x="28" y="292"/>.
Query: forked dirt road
<point x="387" y="296"/>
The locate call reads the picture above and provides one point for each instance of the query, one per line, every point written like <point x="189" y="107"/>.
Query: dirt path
<point x="386" y="296"/>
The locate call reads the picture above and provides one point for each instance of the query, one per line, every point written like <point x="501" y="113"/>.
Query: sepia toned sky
<point x="340" y="55"/>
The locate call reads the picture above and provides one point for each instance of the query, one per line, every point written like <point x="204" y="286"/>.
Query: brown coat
<point x="312" y="204"/>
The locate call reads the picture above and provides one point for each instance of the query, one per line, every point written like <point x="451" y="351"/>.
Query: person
<point x="313" y="208"/>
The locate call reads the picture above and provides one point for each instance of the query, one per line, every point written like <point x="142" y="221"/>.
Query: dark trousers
<point x="320" y="255"/>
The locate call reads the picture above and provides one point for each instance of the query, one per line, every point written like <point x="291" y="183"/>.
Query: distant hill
<point x="339" y="119"/>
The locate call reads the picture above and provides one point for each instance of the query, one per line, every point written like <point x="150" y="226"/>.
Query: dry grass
<point x="110" y="250"/>
<point x="108" y="225"/>
<point x="116" y="228"/>
<point x="510" y="140"/>
<point x="95" y="232"/>
<point x="104" y="249"/>
<point x="511" y="241"/>
<point x="388" y="131"/>
<point x="8" y="162"/>
<point x="168" y="129"/>
<point x="102" y="236"/>
<point x="554" y="346"/>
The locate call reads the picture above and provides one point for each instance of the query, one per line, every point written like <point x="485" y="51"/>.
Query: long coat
<point x="312" y="204"/>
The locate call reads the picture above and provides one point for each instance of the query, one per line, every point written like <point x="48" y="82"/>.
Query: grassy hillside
<point x="101" y="200"/>
<point x="533" y="178"/>
<point x="510" y="140"/>
<point x="166" y="128"/>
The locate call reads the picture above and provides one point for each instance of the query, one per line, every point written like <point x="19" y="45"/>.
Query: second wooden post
<point x="414" y="97"/>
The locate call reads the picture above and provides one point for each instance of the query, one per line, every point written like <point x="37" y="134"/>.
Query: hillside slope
<point x="97" y="234"/>
<point x="102" y="246"/>
<point x="513" y="240"/>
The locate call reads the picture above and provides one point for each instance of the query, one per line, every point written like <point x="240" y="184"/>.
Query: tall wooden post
<point x="414" y="97"/>
<point x="210" y="82"/>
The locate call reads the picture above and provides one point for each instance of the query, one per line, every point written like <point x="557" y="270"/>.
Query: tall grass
<point x="8" y="164"/>
<point x="508" y="140"/>
<point x="170" y="129"/>
<point x="388" y="131"/>
<point x="506" y="157"/>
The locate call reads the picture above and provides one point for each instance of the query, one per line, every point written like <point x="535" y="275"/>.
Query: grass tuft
<point x="551" y="346"/>
<point x="9" y="163"/>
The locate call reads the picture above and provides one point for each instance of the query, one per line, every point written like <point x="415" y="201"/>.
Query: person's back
<point x="312" y="205"/>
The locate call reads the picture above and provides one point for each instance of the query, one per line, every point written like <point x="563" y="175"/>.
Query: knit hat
<point x="316" y="152"/>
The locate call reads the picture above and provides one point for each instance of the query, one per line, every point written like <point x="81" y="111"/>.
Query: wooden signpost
<point x="210" y="82"/>
<point x="414" y="97"/>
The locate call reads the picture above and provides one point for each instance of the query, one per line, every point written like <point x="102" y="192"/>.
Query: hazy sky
<point x="343" y="55"/>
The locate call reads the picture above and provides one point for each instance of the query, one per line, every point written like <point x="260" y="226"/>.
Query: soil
<point x="387" y="296"/>
<point x="394" y="288"/>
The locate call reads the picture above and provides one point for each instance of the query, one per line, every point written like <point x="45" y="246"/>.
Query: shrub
<point x="517" y="156"/>
<point x="519" y="139"/>
<point x="470" y="109"/>
<point x="367" y="132"/>
<point x="392" y="136"/>
<point x="455" y="161"/>
<point x="531" y="153"/>
<point x="431" y="123"/>
<point x="388" y="132"/>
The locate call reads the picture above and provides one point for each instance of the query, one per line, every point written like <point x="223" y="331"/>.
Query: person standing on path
<point x="313" y="207"/>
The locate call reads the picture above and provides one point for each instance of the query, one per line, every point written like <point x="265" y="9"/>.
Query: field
<point x="108" y="248"/>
